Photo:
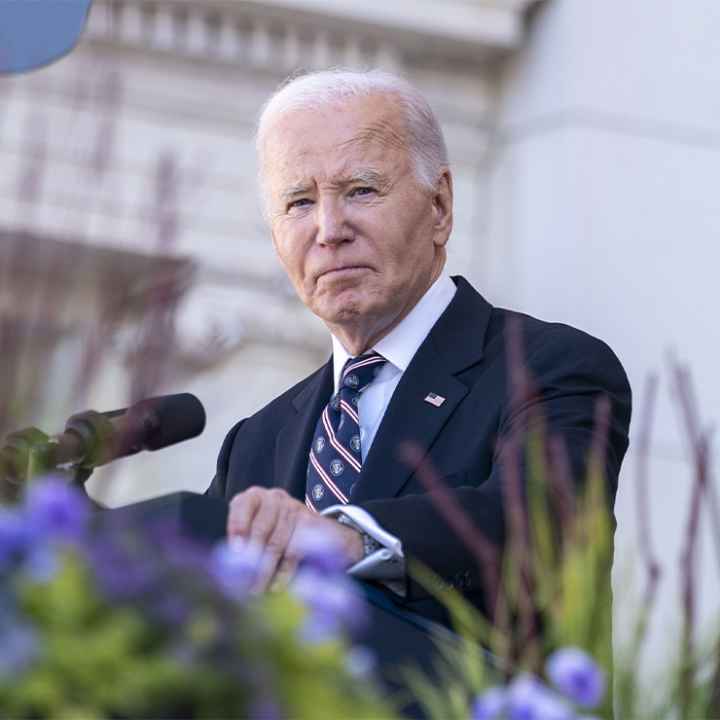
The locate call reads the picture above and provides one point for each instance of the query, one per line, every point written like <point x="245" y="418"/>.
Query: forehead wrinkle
<point x="382" y="131"/>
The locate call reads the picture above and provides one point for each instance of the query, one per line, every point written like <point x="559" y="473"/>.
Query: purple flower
<point x="265" y="709"/>
<point x="121" y="573"/>
<point x="170" y="608"/>
<point x="489" y="705"/>
<point x="320" y="549"/>
<point x="177" y="552"/>
<point x="575" y="674"/>
<point x="333" y="604"/>
<point x="41" y="563"/>
<point x="529" y="699"/>
<point x="15" y="537"/>
<point x="55" y="510"/>
<point x="360" y="662"/>
<point x="19" y="649"/>
<point x="236" y="565"/>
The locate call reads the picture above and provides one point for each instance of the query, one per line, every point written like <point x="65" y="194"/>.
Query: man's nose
<point x="332" y="222"/>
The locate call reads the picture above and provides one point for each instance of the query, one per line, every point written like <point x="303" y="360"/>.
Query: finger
<point x="278" y="546"/>
<point x="265" y="519"/>
<point x="243" y="508"/>
<point x="284" y="574"/>
<point x="272" y="529"/>
<point x="263" y="524"/>
<point x="302" y="522"/>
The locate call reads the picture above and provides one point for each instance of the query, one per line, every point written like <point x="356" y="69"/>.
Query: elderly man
<point x="359" y="199"/>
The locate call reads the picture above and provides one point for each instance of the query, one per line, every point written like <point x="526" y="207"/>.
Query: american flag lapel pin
<point x="434" y="399"/>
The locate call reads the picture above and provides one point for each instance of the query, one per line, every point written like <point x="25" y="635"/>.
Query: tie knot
<point x="360" y="371"/>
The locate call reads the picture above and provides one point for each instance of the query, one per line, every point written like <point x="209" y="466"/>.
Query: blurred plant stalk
<point x="549" y="593"/>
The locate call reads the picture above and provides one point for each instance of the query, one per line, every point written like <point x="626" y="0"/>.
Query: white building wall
<point x="192" y="77"/>
<point x="605" y="215"/>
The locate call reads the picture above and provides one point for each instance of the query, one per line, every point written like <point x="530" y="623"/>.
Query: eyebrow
<point x="294" y="190"/>
<point x="363" y="175"/>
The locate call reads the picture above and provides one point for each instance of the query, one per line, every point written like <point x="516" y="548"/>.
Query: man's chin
<point x="340" y="316"/>
<point x="347" y="307"/>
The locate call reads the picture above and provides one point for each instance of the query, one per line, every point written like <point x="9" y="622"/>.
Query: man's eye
<point x="362" y="191"/>
<point x="300" y="202"/>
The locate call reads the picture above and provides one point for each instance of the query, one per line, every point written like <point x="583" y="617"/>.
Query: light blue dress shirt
<point x="398" y="347"/>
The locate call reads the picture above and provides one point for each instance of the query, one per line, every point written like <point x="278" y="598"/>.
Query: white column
<point x="228" y="43"/>
<point x="131" y="23"/>
<point x="196" y="38"/>
<point x="163" y="28"/>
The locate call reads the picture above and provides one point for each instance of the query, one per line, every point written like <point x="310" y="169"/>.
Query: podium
<point x="398" y="638"/>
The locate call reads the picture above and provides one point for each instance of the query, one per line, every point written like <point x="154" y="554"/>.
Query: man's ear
<point x="443" y="207"/>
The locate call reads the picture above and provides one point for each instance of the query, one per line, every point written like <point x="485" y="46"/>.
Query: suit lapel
<point x="293" y="441"/>
<point x="454" y="344"/>
<point x="408" y="419"/>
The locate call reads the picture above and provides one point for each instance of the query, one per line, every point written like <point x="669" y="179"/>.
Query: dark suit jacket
<point x="465" y="360"/>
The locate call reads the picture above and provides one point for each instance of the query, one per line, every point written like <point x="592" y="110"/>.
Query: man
<point x="359" y="199"/>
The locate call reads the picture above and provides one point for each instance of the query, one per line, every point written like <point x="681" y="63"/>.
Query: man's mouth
<point x="343" y="270"/>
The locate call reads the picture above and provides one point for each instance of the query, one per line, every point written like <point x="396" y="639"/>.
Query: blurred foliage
<point x="555" y="600"/>
<point x="97" y="624"/>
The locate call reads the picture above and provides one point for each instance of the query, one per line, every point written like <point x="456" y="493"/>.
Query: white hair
<point x="425" y="141"/>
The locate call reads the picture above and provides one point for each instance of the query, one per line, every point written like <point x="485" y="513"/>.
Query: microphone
<point x="92" y="439"/>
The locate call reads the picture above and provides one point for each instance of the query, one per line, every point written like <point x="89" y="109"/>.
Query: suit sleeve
<point x="218" y="486"/>
<point x="568" y="386"/>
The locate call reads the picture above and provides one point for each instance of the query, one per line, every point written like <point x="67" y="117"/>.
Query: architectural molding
<point x="458" y="28"/>
<point x="282" y="35"/>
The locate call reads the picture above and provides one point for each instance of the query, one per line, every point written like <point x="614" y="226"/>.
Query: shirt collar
<point x="399" y="346"/>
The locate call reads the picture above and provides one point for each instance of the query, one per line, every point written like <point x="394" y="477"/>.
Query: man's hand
<point x="275" y="522"/>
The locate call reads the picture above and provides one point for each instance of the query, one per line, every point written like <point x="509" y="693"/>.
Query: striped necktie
<point x="335" y="458"/>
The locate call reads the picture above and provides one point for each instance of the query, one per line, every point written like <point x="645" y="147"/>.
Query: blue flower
<point x="121" y="574"/>
<point x="19" y="649"/>
<point x="170" y="608"/>
<point x="180" y="553"/>
<point x="333" y="603"/>
<point x="575" y="674"/>
<point x="360" y="662"/>
<point x="321" y="550"/>
<point x="236" y="566"/>
<point x="265" y="709"/>
<point x="41" y="563"/>
<point x="15" y="537"/>
<point x="489" y="705"/>
<point x="55" y="510"/>
<point x="529" y="699"/>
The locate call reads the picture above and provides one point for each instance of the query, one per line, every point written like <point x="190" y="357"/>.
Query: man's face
<point x="359" y="237"/>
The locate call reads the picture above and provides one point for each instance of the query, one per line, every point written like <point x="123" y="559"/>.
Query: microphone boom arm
<point x="92" y="438"/>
